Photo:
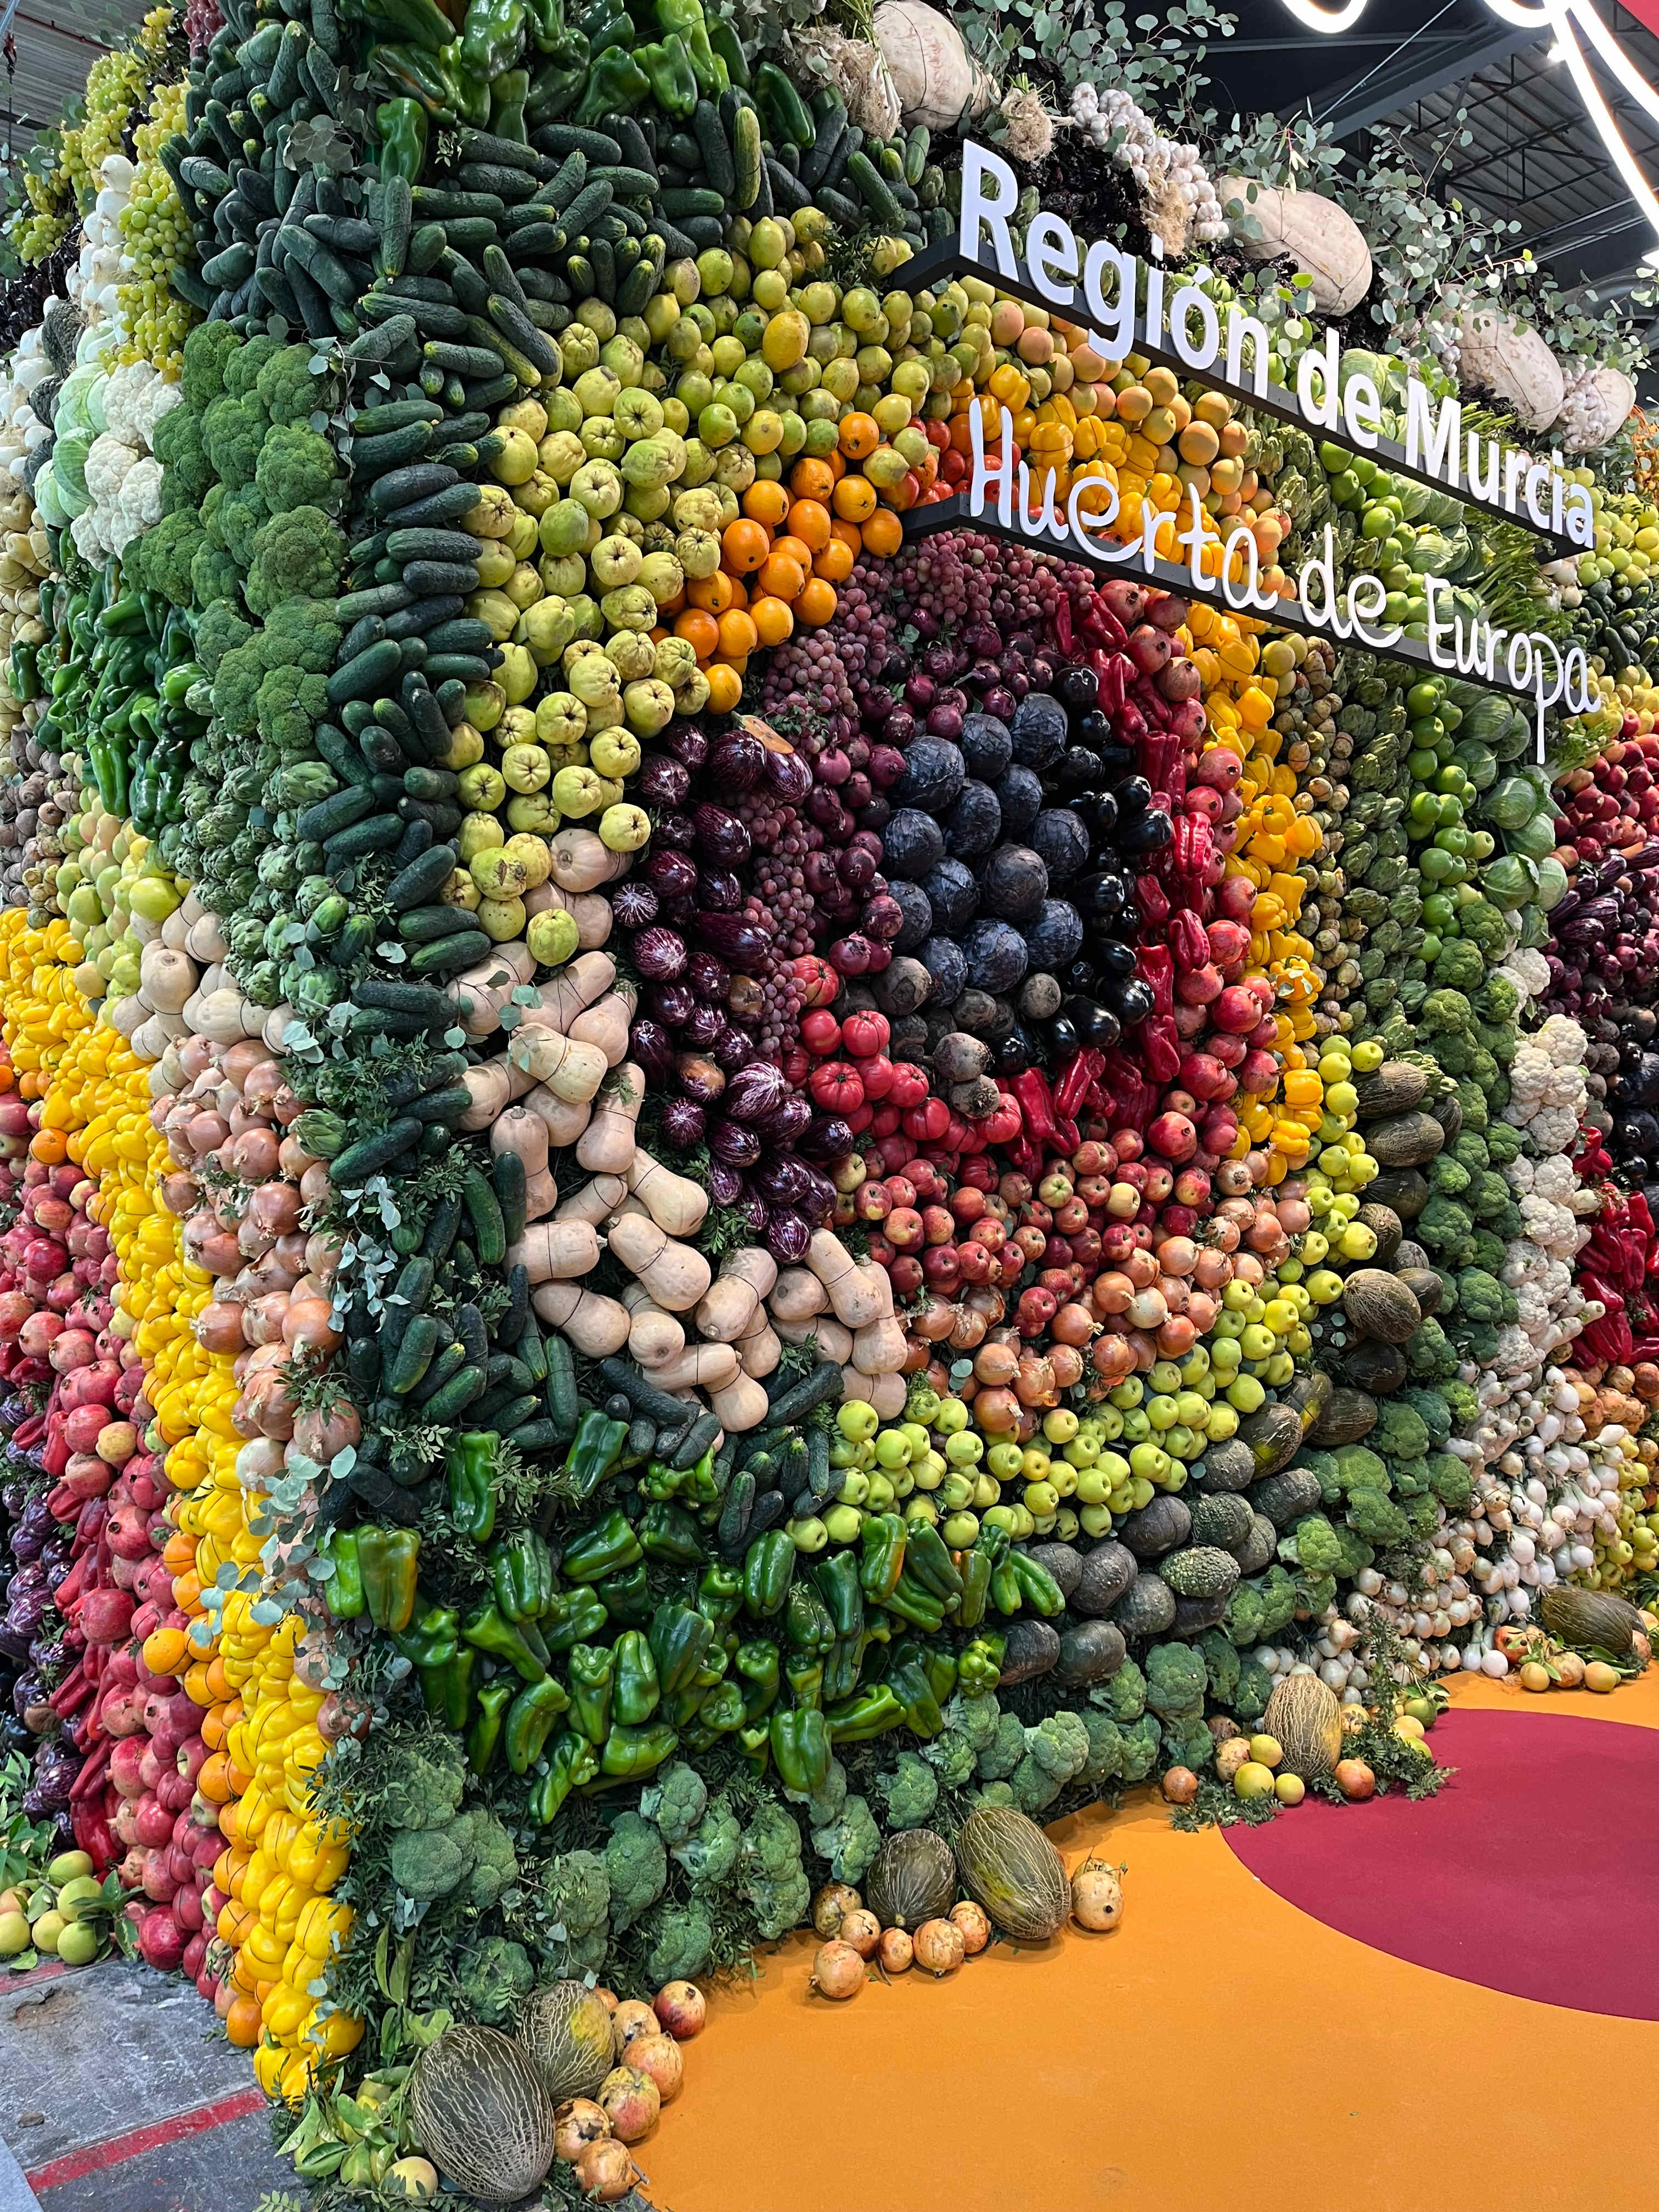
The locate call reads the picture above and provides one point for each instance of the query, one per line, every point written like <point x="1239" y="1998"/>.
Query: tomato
<point x="865" y="1034"/>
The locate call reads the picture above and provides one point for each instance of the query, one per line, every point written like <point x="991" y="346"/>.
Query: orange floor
<point x="1218" y="2047"/>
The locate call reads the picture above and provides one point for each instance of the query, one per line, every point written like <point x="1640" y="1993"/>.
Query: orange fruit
<point x="883" y="533"/>
<point x="743" y="546"/>
<point x="715" y="592"/>
<point x="809" y="520"/>
<point x="700" y="628"/>
<point x="817" y="603"/>
<point x="725" y="688"/>
<point x="779" y="577"/>
<point x="859" y="434"/>
<point x="854" y="499"/>
<point x="243" y="2023"/>
<point x="812" y="479"/>
<point x="835" y="564"/>
<point x="766" y="501"/>
<point x="737" y="634"/>
<point x="772" y="619"/>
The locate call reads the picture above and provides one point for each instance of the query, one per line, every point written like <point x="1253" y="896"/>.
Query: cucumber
<point x="457" y="1394"/>
<point x="588" y="205"/>
<point x="460" y="634"/>
<point x="368" y="674"/>
<point x="794" y="1401"/>
<point x="510" y="1325"/>
<point x="434" y="576"/>
<point x="563" y="1405"/>
<point x="393" y="415"/>
<point x="507" y="185"/>
<point x="472" y="234"/>
<point x="418" y="545"/>
<point x="747" y="156"/>
<point x="499" y="271"/>
<point x="788" y="190"/>
<point x="371" y="1155"/>
<point x="405" y="487"/>
<point x="434" y="202"/>
<point x="507" y="1175"/>
<point x="427" y="924"/>
<point x="447" y="1365"/>
<point x="636" y="147"/>
<point x="626" y="183"/>
<point x="841" y="211"/>
<point x="915" y="155"/>
<point x="604" y="269"/>
<point x="817" y="159"/>
<point x="560" y="139"/>
<point x="484" y="1211"/>
<point x="712" y="143"/>
<point x="440" y="1228"/>
<point x="331" y="815"/>
<point x="637" y="289"/>
<point x="506" y="152"/>
<point x="732" y="1529"/>
<point x="342" y="756"/>
<point x="695" y="199"/>
<point x="622" y="1375"/>
<point x="377" y="455"/>
<point x="446" y="1106"/>
<point x="426" y="247"/>
<point x="447" y="955"/>
<point x="874" y="191"/>
<point x="696" y="1441"/>
<point x="413" y="1356"/>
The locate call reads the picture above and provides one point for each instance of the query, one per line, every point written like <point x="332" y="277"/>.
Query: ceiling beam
<point x="1368" y="99"/>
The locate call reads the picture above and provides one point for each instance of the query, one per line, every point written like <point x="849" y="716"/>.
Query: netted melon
<point x="913" y="1880"/>
<point x="1591" y="1617"/>
<point x="566" y="2031"/>
<point x="1380" y="1304"/>
<point x="478" y="2110"/>
<point x="1304" y="1716"/>
<point x="1013" y="1873"/>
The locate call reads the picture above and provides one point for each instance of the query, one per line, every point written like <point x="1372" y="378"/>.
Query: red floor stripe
<point x="47" y="1970"/>
<point x="94" y="2157"/>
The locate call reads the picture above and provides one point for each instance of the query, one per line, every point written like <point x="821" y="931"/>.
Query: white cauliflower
<point x="108" y="460"/>
<point x="140" y="504"/>
<point x="123" y="395"/>
<point x="158" y="398"/>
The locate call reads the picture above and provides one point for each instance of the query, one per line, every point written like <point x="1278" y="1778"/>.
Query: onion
<point x="837" y="1972"/>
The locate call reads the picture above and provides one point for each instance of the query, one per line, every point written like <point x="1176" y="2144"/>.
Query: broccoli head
<point x="1489" y="1196"/>
<point x="1480" y="1296"/>
<point x="953" y="1755"/>
<point x="1056" y="1752"/>
<point x="1459" y="965"/>
<point x="1484" y="925"/>
<point x="219" y="628"/>
<point x="297" y="555"/>
<point x="421" y="1786"/>
<point x="237" y="522"/>
<point x="240" y="672"/>
<point x="1124" y="1696"/>
<point x="1447" y="1176"/>
<point x="1175" y="1680"/>
<point x="288" y="391"/>
<point x="1359" y="1467"/>
<point x="1476" y="1115"/>
<point x="1444" y="1225"/>
<point x="577" y="1885"/>
<point x="774" y="1880"/>
<point x="1400" y="1432"/>
<point x="909" y="1792"/>
<point x="1255" y="1686"/>
<point x="207" y="349"/>
<point x="825" y="1802"/>
<point x="1448" y="1010"/>
<point x="164" y="555"/>
<point x="975" y="1718"/>
<point x="241" y="370"/>
<point x="1461" y="1402"/>
<point x="1429" y="1356"/>
<point x="1432" y="1410"/>
<point x="213" y="574"/>
<point x="1105" y="1760"/>
<point x="1141" y="1743"/>
<point x="470" y="1855"/>
<point x="296" y="468"/>
<point x="710" y="1851"/>
<point x="677" y="1798"/>
<point x="638" y="1866"/>
<point x="1246" y="1615"/>
<point x="302" y="633"/>
<point x="996" y="1796"/>
<point x="1312" y="1544"/>
<point x="1356" y="1553"/>
<point x="1005" y="1751"/>
<point x="286" y="705"/>
<point x="232" y="434"/>
<point x="682" y="1943"/>
<point x="1278" y="1600"/>
<point x="186" y="470"/>
<point x="1449" y="1478"/>
<point x="1187" y="1742"/>
<point x="492" y="1976"/>
<point x="1221" y="1663"/>
<point x="1469" y="1149"/>
<point x="1375" y="1519"/>
<point x="850" y="1842"/>
<point x="1503" y="1144"/>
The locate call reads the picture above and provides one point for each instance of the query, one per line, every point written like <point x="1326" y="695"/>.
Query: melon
<point x="477" y="2108"/>
<point x="933" y="74"/>
<point x="1147" y="1607"/>
<point x="1107" y="1571"/>
<point x="1381" y="1305"/>
<point x="1394" y="1088"/>
<point x="1511" y="360"/>
<point x="566" y="2028"/>
<point x="1350" y="1414"/>
<point x="1406" y="1140"/>
<point x="1202" y="1570"/>
<point x="913" y="1880"/>
<point x="1427" y="1287"/>
<point x="1011" y="1869"/>
<point x="1157" y="1528"/>
<point x="1591" y="1617"/>
<point x="1229" y="1466"/>
<point x="1321" y="238"/>
<point x="1375" y="1366"/>
<point x="1286" y="1498"/>
<point x="1304" y="1716"/>
<point x="1222" y="1518"/>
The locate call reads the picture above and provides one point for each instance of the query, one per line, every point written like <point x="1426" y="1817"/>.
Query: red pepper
<point x="1161" y="1043"/>
<point x="1100" y="625"/>
<point x="28" y="1433"/>
<point x="1193" y="846"/>
<point x="1155" y="965"/>
<point x="1160" y="760"/>
<point x="1031" y="1088"/>
<point x="1114" y="669"/>
<point x="1063" y="624"/>
<point x="1188" y="939"/>
<point x="1136" y="1099"/>
<point x="56" y="1456"/>
<point x="1077" y="1079"/>
<point x="67" y="1596"/>
<point x="1154" y="904"/>
<point x="71" y="1692"/>
<point x="92" y="1774"/>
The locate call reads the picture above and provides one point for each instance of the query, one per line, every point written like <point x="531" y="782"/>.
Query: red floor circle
<point x="1532" y="1871"/>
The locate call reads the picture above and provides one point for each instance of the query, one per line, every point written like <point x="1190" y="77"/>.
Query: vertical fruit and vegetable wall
<point x="706" y="1201"/>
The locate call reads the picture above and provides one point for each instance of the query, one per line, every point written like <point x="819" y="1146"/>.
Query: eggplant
<point x="737" y="762"/>
<point x="756" y="1090"/>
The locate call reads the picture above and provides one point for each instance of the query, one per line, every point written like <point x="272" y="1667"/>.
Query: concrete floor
<point x="117" y="2094"/>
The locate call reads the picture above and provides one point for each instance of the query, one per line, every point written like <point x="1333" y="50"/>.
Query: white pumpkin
<point x="935" y="77"/>
<point x="1600" y="403"/>
<point x="1319" y="236"/>
<point x="1512" y="361"/>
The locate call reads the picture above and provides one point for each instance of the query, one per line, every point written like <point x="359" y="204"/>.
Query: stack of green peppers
<point x="120" y="692"/>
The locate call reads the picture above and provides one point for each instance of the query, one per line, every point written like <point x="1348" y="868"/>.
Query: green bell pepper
<point x="390" y="1559"/>
<point x="684" y="20"/>
<point x="843" y="1667"/>
<point x="432" y="1639"/>
<point x="627" y="1597"/>
<point x="719" y="1595"/>
<point x="471" y="93"/>
<point x="344" y="1587"/>
<point x="725" y="42"/>
<point x="469" y="1467"/>
<point x="719" y="1714"/>
<point x="758" y="1665"/>
<point x="669" y="1533"/>
<point x="978" y="1566"/>
<point x="682" y="1711"/>
<point x="607" y="1548"/>
<point x="592" y="1670"/>
<point x="575" y="1616"/>
<point x="631" y="1752"/>
<point x="616" y="86"/>
<point x="672" y="79"/>
<point x="785" y="111"/>
<point x="756" y="1745"/>
<point x="801" y="1750"/>
<point x="872" y="1712"/>
<point x="837" y="1581"/>
<point x="507" y="96"/>
<point x="446" y="1689"/>
<point x="638" y="1692"/>
<point x="417" y="75"/>
<point x="572" y="1762"/>
<point x="402" y="127"/>
<point x="807" y="1627"/>
<point x="805" y="1680"/>
<point x="484" y="1737"/>
<point x="768" y="1568"/>
<point x="679" y="1638"/>
<point x="938" y="1664"/>
<point x="929" y="1561"/>
<point x="883" y="1539"/>
<point x="979" y="1670"/>
<point x="547" y="25"/>
<point x="1037" y="1587"/>
<point x="532" y="1713"/>
<point x="911" y="1603"/>
<point x="417" y="22"/>
<point x="491" y="35"/>
<point x="518" y="1641"/>
<point x="907" y="1681"/>
<point x="522" y="1576"/>
<point x="1005" y="1588"/>
<point x="594" y="1450"/>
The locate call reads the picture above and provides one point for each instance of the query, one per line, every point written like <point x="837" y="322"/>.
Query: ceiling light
<point x="1556" y="56"/>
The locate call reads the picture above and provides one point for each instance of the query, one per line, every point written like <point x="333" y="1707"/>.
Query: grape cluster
<point x="822" y="675"/>
<point x="155" y="237"/>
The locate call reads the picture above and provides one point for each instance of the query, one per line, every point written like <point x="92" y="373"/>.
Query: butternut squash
<point x="758" y="1348"/>
<point x="565" y="1120"/>
<point x="575" y="987"/>
<point x="589" y="910"/>
<point x="494" y="1085"/>
<point x="571" y="1071"/>
<point x="834" y="1342"/>
<point x="607" y="1143"/>
<point x="654" y="1336"/>
<point x="886" y="1393"/>
<point x="595" y="1202"/>
<point x="697" y="1367"/>
<point x="606" y="1024"/>
<point x="878" y="1347"/>
<point x="673" y="1201"/>
<point x="797" y="1295"/>
<point x="481" y="991"/>
<point x="556" y="1251"/>
<point x="738" y="1294"/>
<point x="675" y="1275"/>
<point x="854" y="1296"/>
<point x="595" y="1325"/>
<point x="581" y="861"/>
<point x="741" y="1404"/>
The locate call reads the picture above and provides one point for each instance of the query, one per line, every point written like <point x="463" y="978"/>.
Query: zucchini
<point x="413" y="1356"/>
<point x="563" y="1405"/>
<point x="507" y="1175"/>
<point x="372" y="1155"/>
<point x="747" y="156"/>
<point x="484" y="1211"/>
